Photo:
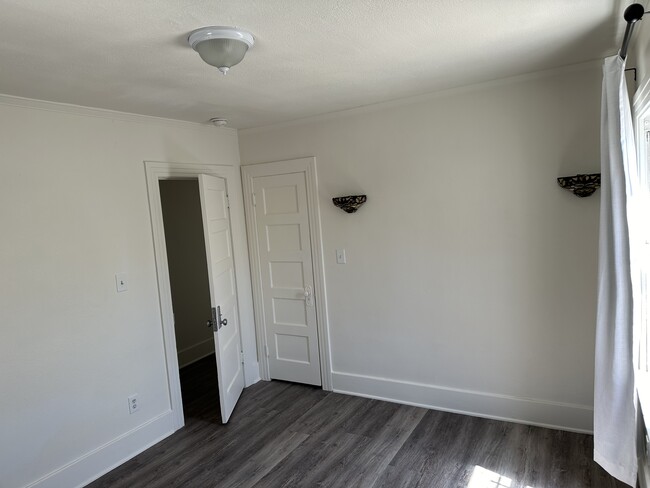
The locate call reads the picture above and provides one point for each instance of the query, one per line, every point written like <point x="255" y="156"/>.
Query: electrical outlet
<point x="134" y="403"/>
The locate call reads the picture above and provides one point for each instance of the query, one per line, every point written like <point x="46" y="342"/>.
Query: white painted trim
<point x="256" y="277"/>
<point x="640" y="99"/>
<point x="307" y="166"/>
<point x="11" y="100"/>
<point x="103" y="459"/>
<point x="641" y="112"/>
<point x="156" y="171"/>
<point x="318" y="262"/>
<point x="195" y="352"/>
<point x="69" y="108"/>
<point x="376" y="107"/>
<point x="530" y="411"/>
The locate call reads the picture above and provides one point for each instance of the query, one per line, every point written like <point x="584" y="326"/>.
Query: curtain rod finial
<point x="634" y="12"/>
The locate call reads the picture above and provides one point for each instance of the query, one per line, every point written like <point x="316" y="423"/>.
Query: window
<point x="639" y="224"/>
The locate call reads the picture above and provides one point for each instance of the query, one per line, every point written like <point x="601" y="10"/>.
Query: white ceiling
<point x="310" y="57"/>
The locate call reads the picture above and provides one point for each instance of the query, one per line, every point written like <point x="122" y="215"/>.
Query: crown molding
<point x="79" y="110"/>
<point x="67" y="108"/>
<point x="376" y="107"/>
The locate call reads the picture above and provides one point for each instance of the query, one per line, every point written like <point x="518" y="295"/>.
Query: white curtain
<point x="614" y="396"/>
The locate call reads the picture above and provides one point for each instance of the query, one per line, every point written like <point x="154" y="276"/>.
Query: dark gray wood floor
<point x="289" y="435"/>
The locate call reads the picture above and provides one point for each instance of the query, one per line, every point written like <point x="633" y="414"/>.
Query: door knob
<point x="221" y="321"/>
<point x="213" y="320"/>
<point x="217" y="322"/>
<point x="309" y="295"/>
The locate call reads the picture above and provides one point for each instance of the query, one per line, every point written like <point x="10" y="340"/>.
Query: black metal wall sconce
<point x="580" y="185"/>
<point x="351" y="203"/>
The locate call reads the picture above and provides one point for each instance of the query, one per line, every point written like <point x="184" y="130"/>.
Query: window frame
<point x="641" y="119"/>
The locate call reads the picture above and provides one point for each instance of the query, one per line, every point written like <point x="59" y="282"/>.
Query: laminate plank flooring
<point x="289" y="435"/>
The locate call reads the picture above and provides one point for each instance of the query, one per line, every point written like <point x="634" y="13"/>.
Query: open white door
<point x="223" y="294"/>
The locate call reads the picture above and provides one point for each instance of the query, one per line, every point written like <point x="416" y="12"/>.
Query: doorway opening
<point x="190" y="294"/>
<point x="228" y="273"/>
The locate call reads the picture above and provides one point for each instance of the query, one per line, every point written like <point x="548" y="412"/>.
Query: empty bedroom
<point x="365" y="243"/>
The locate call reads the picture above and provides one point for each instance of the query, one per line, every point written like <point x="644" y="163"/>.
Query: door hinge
<point x="227" y="200"/>
<point x="266" y="349"/>
<point x="241" y="356"/>
<point x="254" y="200"/>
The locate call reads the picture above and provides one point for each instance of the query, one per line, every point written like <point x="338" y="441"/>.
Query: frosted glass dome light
<point x="221" y="47"/>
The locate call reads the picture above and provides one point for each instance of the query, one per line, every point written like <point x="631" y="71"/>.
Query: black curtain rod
<point x="632" y="15"/>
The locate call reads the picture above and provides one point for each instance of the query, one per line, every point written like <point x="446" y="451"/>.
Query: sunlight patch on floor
<point x="484" y="478"/>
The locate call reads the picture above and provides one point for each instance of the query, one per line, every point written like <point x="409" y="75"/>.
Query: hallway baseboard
<point x="198" y="351"/>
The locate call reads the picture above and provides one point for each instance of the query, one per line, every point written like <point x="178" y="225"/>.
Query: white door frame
<point x="641" y="114"/>
<point x="307" y="166"/>
<point x="156" y="171"/>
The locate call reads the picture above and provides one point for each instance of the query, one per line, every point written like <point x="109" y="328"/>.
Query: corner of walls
<point x="88" y="194"/>
<point x="470" y="284"/>
<point x="106" y="457"/>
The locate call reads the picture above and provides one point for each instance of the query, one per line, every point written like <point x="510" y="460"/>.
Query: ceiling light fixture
<point x="222" y="47"/>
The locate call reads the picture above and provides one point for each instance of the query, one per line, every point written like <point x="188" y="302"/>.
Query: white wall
<point x="188" y="269"/>
<point x="471" y="276"/>
<point x="73" y="212"/>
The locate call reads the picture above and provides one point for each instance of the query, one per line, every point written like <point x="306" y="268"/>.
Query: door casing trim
<point x="307" y="166"/>
<point x="156" y="171"/>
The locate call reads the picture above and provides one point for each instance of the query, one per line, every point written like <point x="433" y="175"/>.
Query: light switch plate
<point x="340" y="256"/>
<point x="120" y="282"/>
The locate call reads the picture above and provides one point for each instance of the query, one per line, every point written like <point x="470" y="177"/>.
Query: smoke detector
<point x="219" y="121"/>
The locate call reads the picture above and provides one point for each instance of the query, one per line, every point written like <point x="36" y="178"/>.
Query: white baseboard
<point x="198" y="351"/>
<point x="555" y="415"/>
<point x="101" y="460"/>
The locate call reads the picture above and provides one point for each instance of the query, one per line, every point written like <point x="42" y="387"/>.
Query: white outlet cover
<point x="134" y="404"/>
<point x="121" y="282"/>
